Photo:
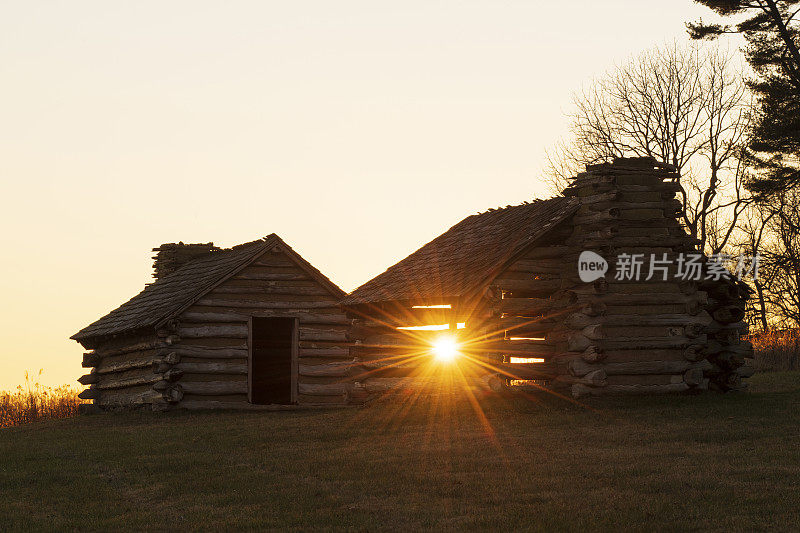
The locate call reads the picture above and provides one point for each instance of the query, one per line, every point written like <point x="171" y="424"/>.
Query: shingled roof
<point x="172" y="294"/>
<point x="466" y="256"/>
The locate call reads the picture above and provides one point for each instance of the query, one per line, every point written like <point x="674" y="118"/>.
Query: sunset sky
<point x="356" y="130"/>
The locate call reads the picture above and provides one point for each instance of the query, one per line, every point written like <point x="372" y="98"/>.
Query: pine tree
<point x="770" y="28"/>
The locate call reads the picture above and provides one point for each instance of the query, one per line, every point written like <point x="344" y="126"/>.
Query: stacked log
<point x="390" y="354"/>
<point x="171" y="256"/>
<point x="651" y="332"/>
<point x="536" y="299"/>
<point x="200" y="359"/>
<point x="538" y="322"/>
<point x="394" y="340"/>
<point x="730" y="354"/>
<point x="624" y="336"/>
<point x="123" y="372"/>
<point x="213" y="351"/>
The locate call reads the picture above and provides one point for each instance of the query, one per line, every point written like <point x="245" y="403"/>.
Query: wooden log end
<point x="174" y="394"/>
<point x="593" y="354"/>
<point x="89" y="394"/>
<point x="694" y="352"/>
<point x="90" y="360"/>
<point x="88" y="379"/>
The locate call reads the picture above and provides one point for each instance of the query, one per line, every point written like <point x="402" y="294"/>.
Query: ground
<point x="710" y="462"/>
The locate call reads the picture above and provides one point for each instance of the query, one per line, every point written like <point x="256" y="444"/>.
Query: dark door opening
<point x="273" y="349"/>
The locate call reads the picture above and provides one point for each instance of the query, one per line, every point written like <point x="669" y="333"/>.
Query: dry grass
<point x="33" y="401"/>
<point x="777" y="350"/>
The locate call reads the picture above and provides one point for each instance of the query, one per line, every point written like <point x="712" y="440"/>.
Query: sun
<point x="445" y="349"/>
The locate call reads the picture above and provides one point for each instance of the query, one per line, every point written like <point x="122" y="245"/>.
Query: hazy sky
<point x="356" y="130"/>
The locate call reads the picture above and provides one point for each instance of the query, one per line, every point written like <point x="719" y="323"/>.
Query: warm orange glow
<point x="445" y="349"/>
<point x="434" y="327"/>
<point x="527" y="382"/>
<point x="524" y="360"/>
<point x="442" y="306"/>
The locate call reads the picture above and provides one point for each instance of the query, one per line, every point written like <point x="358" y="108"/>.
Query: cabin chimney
<point x="630" y="203"/>
<point x="653" y="303"/>
<point x="171" y="256"/>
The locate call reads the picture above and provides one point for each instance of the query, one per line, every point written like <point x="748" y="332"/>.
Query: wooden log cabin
<point x="253" y="326"/>
<point x="503" y="286"/>
<point x="256" y="326"/>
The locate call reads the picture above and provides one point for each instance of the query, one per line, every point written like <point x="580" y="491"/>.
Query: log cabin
<point x="258" y="327"/>
<point x="250" y="327"/>
<point x="502" y="288"/>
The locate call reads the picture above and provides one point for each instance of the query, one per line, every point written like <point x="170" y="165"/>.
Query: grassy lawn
<point x="709" y="462"/>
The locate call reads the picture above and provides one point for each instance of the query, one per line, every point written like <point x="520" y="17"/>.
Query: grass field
<point x="709" y="462"/>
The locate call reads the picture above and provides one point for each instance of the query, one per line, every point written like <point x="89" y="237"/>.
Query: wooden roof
<point x="171" y="295"/>
<point x="467" y="256"/>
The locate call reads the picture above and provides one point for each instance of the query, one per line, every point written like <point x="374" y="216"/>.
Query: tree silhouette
<point x="770" y="28"/>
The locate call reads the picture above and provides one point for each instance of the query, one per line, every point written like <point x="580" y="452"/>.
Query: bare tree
<point x="782" y="258"/>
<point x="753" y="232"/>
<point x="686" y="106"/>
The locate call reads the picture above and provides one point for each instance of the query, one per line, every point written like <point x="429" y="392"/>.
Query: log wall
<point x="122" y="371"/>
<point x="200" y="360"/>
<point x="610" y="336"/>
<point x="620" y="336"/>
<point x="391" y="359"/>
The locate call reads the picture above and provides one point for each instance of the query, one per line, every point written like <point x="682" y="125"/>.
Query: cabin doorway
<point x="272" y="369"/>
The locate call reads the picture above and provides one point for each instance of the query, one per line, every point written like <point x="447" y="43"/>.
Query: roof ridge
<point x="454" y="262"/>
<point x="161" y="295"/>
<point x="171" y="295"/>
